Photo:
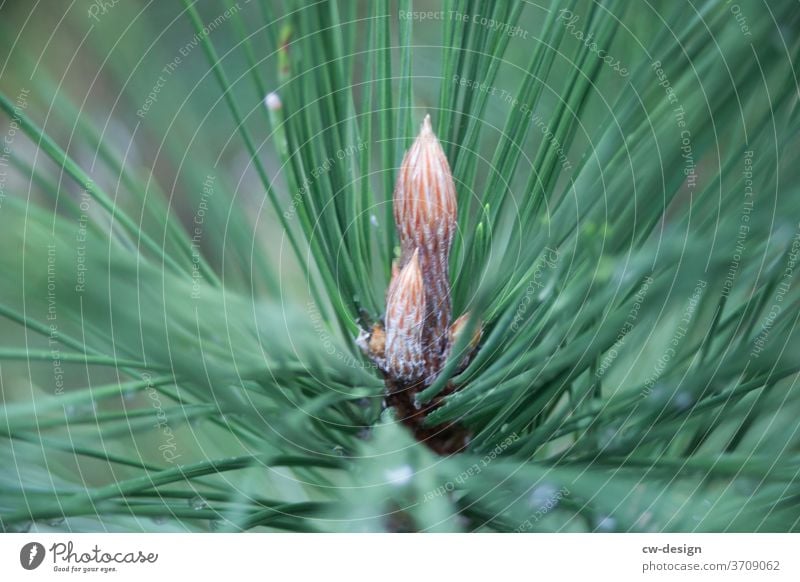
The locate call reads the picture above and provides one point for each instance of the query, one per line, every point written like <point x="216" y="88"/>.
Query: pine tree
<point x="202" y="208"/>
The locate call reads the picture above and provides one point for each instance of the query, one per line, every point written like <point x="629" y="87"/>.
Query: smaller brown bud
<point x="405" y="315"/>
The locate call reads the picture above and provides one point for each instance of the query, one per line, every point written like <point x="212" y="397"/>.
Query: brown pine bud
<point x="416" y="337"/>
<point x="405" y="311"/>
<point x="425" y="213"/>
